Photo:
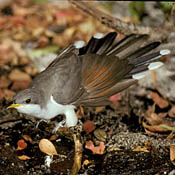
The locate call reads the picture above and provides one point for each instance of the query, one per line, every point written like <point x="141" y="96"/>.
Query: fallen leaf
<point x="21" y="144"/>
<point x="114" y="149"/>
<point x="162" y="103"/>
<point x="86" y="163"/>
<point x="8" y="94"/>
<point x="154" y="128"/>
<point x="115" y="98"/>
<point x="95" y="149"/>
<point x="24" y="157"/>
<point x="99" y="109"/>
<point x="100" y="134"/>
<point x="171" y="112"/>
<point x="172" y="153"/>
<point x="141" y="149"/>
<point x="88" y="126"/>
<point x="17" y="75"/>
<point x="1" y="94"/>
<point x="153" y="119"/>
<point x="47" y="147"/>
<point x="80" y="112"/>
<point x="53" y="137"/>
<point x="20" y="85"/>
<point x="27" y="138"/>
<point x="4" y="82"/>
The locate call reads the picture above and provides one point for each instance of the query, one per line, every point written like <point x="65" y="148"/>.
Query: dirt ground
<point x="135" y="135"/>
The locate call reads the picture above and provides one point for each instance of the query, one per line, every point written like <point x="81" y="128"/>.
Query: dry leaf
<point x="99" y="109"/>
<point x="17" y="75"/>
<point x="20" y="85"/>
<point x="21" y="144"/>
<point x="162" y="103"/>
<point x="27" y="138"/>
<point x="172" y="153"/>
<point x="171" y="112"/>
<point x="141" y="149"/>
<point x="86" y="163"/>
<point x="115" y="98"/>
<point x="100" y="134"/>
<point x="23" y="157"/>
<point x="4" y="82"/>
<point x="47" y="147"/>
<point x="88" y="126"/>
<point x="153" y="119"/>
<point x="154" y="128"/>
<point x="53" y="137"/>
<point x="95" y="149"/>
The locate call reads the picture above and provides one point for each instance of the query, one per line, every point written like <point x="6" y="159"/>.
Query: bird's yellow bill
<point x="13" y="106"/>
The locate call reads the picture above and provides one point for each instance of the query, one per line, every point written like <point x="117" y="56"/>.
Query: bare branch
<point x="125" y="28"/>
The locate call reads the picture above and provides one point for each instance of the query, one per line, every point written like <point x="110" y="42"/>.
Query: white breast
<point x="52" y="109"/>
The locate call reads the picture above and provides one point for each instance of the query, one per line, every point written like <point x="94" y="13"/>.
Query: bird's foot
<point x="42" y="120"/>
<point x="58" y="125"/>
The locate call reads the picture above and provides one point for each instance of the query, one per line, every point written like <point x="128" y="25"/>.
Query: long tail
<point x="109" y="68"/>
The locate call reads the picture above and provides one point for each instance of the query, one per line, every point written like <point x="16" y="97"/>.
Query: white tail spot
<point x="98" y="35"/>
<point x="139" y="75"/>
<point x="79" y="44"/>
<point x="165" y="52"/>
<point x="155" y="65"/>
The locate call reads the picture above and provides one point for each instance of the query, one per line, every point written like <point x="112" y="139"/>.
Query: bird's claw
<point x="40" y="122"/>
<point x="58" y="125"/>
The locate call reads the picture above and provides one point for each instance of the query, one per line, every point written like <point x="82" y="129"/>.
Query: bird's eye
<point x="28" y="101"/>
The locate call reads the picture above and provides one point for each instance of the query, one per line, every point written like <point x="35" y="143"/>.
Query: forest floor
<point x="135" y="135"/>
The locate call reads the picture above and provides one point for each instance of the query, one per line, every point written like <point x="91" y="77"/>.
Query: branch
<point x="125" y="28"/>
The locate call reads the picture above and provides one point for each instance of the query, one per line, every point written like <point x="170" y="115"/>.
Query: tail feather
<point x="142" y="51"/>
<point x="108" y="69"/>
<point x="126" y="46"/>
<point x="98" y="45"/>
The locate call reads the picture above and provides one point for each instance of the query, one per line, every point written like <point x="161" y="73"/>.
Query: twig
<point x="125" y="28"/>
<point x="78" y="154"/>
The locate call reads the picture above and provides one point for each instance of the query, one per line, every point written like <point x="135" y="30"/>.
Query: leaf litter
<point x="27" y="34"/>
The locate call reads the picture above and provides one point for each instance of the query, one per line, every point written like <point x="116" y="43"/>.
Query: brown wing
<point x="101" y="76"/>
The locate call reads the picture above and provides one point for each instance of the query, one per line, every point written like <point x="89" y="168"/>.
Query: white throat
<point x="52" y="109"/>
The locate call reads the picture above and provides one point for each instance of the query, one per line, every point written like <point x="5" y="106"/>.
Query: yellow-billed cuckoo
<point x="87" y="76"/>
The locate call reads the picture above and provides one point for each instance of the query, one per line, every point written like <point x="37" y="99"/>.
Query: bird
<point x="88" y="75"/>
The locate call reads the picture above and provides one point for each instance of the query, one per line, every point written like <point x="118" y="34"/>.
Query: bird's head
<point x="26" y="101"/>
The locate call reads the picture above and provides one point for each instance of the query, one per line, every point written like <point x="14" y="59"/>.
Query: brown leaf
<point x="27" y="138"/>
<point x="115" y="98"/>
<point x="100" y="134"/>
<point x="1" y="94"/>
<point x="4" y="82"/>
<point x="23" y="157"/>
<point x="141" y="149"/>
<point x="155" y="119"/>
<point x="99" y="109"/>
<point x="17" y="75"/>
<point x="95" y="149"/>
<point x="88" y="126"/>
<point x="8" y="94"/>
<point x="172" y="153"/>
<point x="47" y="147"/>
<point x="20" y="85"/>
<point x="154" y="128"/>
<point x="21" y="144"/>
<point x="171" y="112"/>
<point x="53" y="137"/>
<point x="162" y="103"/>
<point x="80" y="112"/>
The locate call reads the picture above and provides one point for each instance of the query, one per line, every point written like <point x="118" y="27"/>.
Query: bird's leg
<point x="70" y="121"/>
<point x="58" y="125"/>
<point x="71" y="118"/>
<point x="40" y="122"/>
